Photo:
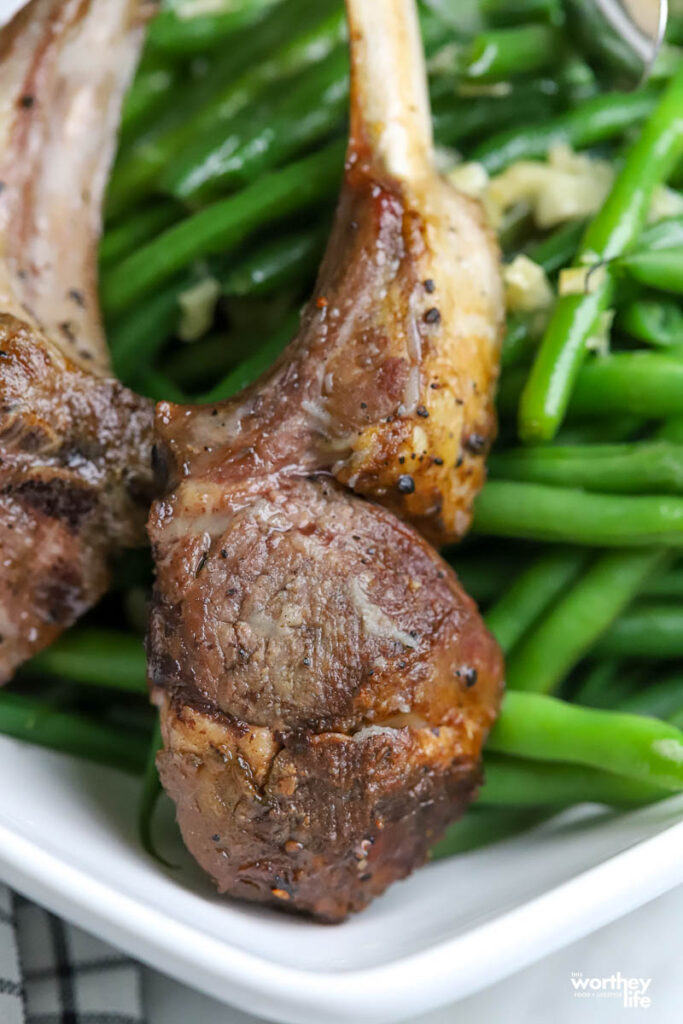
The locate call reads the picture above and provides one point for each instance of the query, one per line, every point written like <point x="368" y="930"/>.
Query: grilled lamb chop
<point x="325" y="685"/>
<point x="75" y="445"/>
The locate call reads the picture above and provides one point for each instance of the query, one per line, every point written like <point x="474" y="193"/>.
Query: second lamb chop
<point x="325" y="685"/>
<point x="75" y="445"/>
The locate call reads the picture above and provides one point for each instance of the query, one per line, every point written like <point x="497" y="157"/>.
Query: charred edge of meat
<point x="316" y="823"/>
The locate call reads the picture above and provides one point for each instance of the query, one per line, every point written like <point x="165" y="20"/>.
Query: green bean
<point x="140" y="333"/>
<point x="37" y="722"/>
<point x="179" y="32"/>
<point x="559" y="248"/>
<point x="595" y="34"/>
<point x="652" y="158"/>
<point x="220" y="161"/>
<point x="646" y="631"/>
<point x="98" y="657"/>
<point x="531" y="593"/>
<point x="660" y="699"/>
<point x="515" y="781"/>
<point x="500" y="13"/>
<point x="497" y="55"/>
<point x="211" y="356"/>
<point x="224" y="225"/>
<point x="618" y="429"/>
<point x="623" y="468"/>
<point x="266" y="57"/>
<point x="666" y="62"/>
<point x="605" y="684"/>
<point x="519" y="341"/>
<point x="156" y="385"/>
<point x="674" y="28"/>
<point x="486" y="576"/>
<point x="659" y="268"/>
<point x="657" y="322"/>
<point x="516" y="224"/>
<point x="456" y="122"/>
<point x="252" y="368"/>
<point x="149" y="797"/>
<point x="544" y="728"/>
<point x="482" y="826"/>
<point x="598" y="119"/>
<point x="571" y="627"/>
<point x="645" y="384"/>
<point x="548" y="387"/>
<point x="282" y="261"/>
<point x="537" y="512"/>
<point x="665" y="584"/>
<point x="138" y="228"/>
<point x="672" y="430"/>
<point x="145" y="98"/>
<point x="663" y="234"/>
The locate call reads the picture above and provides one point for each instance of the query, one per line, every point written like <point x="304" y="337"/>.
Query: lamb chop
<point x="325" y="685"/>
<point x="75" y="482"/>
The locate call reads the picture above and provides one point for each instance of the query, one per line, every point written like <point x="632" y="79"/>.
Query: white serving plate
<point x="67" y="840"/>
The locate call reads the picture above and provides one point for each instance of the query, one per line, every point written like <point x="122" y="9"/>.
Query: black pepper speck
<point x="469" y="676"/>
<point x="475" y="443"/>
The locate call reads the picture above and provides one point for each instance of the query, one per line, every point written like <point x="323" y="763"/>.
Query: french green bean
<point x="98" y="657"/>
<point x="36" y="721"/>
<point x="518" y="782"/>
<point x="645" y="631"/>
<point x="653" y="157"/>
<point x="530" y="594"/>
<point x="637" y="468"/>
<point x="539" y="727"/>
<point x="222" y="226"/>
<point x="578" y="619"/>
<point x="506" y="508"/>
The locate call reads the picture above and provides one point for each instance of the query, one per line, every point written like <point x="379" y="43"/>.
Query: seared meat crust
<point x="325" y="685"/>
<point x="393" y="400"/>
<point x="325" y="688"/>
<point x="75" y="446"/>
<point x="74" y="486"/>
<point x="336" y="819"/>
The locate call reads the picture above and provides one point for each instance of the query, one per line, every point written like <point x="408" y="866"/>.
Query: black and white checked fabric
<point x="53" y="973"/>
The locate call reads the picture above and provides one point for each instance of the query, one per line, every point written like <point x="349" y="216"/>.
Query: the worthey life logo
<point x="634" y="992"/>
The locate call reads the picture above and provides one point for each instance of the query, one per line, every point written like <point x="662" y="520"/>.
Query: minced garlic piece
<point x="581" y="280"/>
<point x="527" y="288"/>
<point x="197" y="307"/>
<point x="565" y="187"/>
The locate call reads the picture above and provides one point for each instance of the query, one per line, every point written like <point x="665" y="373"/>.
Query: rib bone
<point x="74" y="444"/>
<point x="325" y="685"/>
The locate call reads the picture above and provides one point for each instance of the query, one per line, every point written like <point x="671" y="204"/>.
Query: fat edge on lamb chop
<point x="75" y="478"/>
<point x="325" y="685"/>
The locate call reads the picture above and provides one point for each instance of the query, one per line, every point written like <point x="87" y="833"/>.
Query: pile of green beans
<point x="230" y="158"/>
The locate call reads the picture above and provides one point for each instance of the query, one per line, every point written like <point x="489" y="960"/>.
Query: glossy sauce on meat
<point x="325" y="685"/>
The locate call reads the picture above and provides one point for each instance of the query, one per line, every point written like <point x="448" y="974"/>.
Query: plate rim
<point x="384" y="994"/>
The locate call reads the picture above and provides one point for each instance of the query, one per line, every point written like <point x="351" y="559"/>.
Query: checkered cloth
<point x="53" y="973"/>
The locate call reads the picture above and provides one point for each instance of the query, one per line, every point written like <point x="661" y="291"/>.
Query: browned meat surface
<point x="74" y="444"/>
<point x="325" y="685"/>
